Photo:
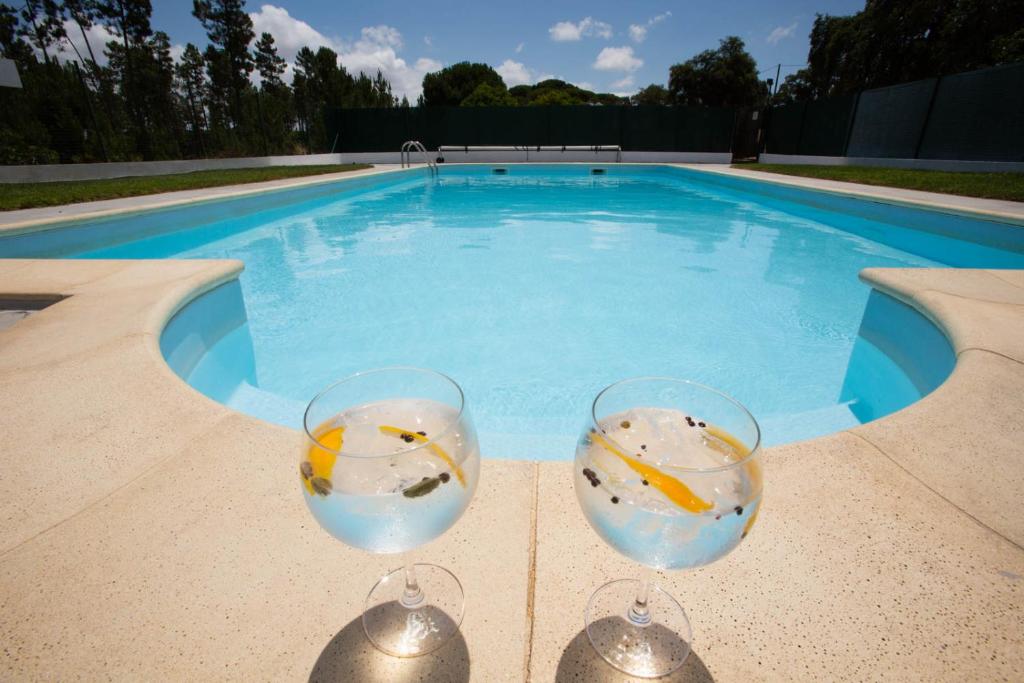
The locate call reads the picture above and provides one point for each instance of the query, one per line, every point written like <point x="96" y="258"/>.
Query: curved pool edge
<point x="152" y="537"/>
<point x="964" y="440"/>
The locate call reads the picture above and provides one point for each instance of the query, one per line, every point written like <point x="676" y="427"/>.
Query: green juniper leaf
<point x="321" y="486"/>
<point x="422" y="488"/>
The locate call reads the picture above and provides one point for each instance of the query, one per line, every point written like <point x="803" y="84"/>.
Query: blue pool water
<point x="537" y="288"/>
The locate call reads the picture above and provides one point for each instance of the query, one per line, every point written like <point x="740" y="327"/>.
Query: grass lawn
<point x="990" y="185"/>
<point x="31" y="195"/>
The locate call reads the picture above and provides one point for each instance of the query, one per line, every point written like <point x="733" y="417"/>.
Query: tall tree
<point x="452" y="84"/>
<point x="191" y="84"/>
<point x="273" y="99"/>
<point x="556" y="92"/>
<point x="140" y="64"/>
<point x="653" y="94"/>
<point x="796" y="87"/>
<point x="487" y="95"/>
<point x="268" y="64"/>
<point x="892" y="42"/>
<point x="41" y="24"/>
<point x="83" y="13"/>
<point x="229" y="29"/>
<point x="726" y="77"/>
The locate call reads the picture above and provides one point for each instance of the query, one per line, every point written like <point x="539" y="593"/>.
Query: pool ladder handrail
<point x="408" y="147"/>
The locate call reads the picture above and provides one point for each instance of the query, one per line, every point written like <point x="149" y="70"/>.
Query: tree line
<point x="888" y="42"/>
<point x="895" y="41"/>
<point x="228" y="99"/>
<point x="231" y="98"/>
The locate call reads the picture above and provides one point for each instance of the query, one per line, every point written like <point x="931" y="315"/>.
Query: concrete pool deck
<point x="147" y="532"/>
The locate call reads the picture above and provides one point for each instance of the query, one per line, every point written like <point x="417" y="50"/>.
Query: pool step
<point x="267" y="405"/>
<point x="777" y="429"/>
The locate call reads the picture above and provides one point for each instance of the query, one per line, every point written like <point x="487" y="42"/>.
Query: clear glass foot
<point x="638" y="628"/>
<point x="414" y="610"/>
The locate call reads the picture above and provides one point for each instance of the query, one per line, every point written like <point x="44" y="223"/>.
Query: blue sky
<point x="608" y="46"/>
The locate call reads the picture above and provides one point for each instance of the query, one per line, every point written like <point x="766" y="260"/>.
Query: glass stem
<point x="639" y="614"/>
<point x="412" y="596"/>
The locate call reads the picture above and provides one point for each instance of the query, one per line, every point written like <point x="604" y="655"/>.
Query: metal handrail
<point x="415" y="145"/>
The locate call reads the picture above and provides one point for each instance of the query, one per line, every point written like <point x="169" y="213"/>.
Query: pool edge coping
<point x="187" y="280"/>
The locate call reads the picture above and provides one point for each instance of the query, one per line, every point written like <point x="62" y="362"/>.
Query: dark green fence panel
<point x="460" y="127"/>
<point x="683" y="129"/>
<point x="648" y="129"/>
<point x="368" y="130"/>
<point x="783" y="129"/>
<point x="703" y="129"/>
<point x="890" y="120"/>
<point x="977" y="115"/>
<point x="826" y="126"/>
<point x="973" y="116"/>
<point x="586" y="125"/>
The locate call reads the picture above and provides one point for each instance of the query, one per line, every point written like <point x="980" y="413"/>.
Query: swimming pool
<point x="537" y="287"/>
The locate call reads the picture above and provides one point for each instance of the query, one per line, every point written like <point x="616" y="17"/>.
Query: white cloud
<point x="626" y="82"/>
<point x="382" y="35"/>
<point x="98" y="35"/>
<point x="514" y="73"/>
<point x="428" y="41"/>
<point x="617" y="59"/>
<point x="290" y="34"/>
<point x="519" y="47"/>
<point x="376" y="48"/>
<point x="567" y="31"/>
<point x="177" y="50"/>
<point x="638" y="32"/>
<point x="781" y="33"/>
<point x="586" y="85"/>
<point x="426" y="65"/>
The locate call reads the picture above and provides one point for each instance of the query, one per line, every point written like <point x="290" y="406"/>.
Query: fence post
<point x="927" y="117"/>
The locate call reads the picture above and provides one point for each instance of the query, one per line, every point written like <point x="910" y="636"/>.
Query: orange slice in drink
<point x="433" y="447"/>
<point x="321" y="460"/>
<point x="675" y="490"/>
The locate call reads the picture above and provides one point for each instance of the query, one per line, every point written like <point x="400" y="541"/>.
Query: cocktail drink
<point x="668" y="473"/>
<point x="389" y="462"/>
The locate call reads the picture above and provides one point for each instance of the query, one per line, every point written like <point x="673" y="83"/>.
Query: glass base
<point x="649" y="650"/>
<point x="406" y="627"/>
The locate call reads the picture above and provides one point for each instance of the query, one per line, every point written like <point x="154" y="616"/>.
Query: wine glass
<point x="390" y="461"/>
<point x="668" y="473"/>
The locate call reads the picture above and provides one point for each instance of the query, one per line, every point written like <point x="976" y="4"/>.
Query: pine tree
<point x="229" y="29"/>
<point x="269" y="65"/>
<point x="191" y="84"/>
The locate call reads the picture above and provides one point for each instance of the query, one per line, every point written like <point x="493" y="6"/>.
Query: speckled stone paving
<point x="148" y="533"/>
